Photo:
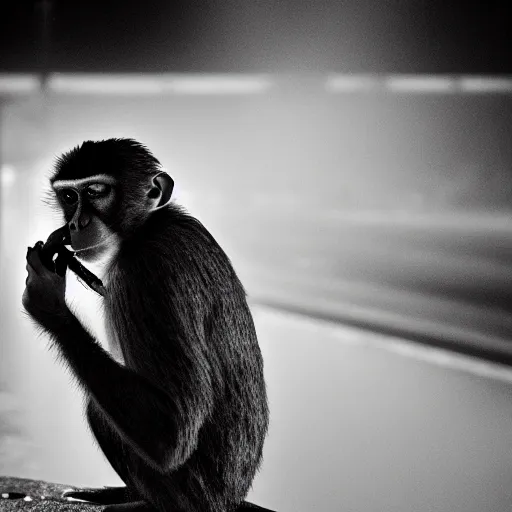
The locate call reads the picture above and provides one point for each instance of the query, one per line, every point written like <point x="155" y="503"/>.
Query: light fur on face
<point x="82" y="182"/>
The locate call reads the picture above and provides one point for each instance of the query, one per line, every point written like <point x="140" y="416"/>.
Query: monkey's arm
<point x="158" y="413"/>
<point x="144" y="415"/>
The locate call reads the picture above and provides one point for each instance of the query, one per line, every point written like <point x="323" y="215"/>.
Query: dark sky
<point x="436" y="36"/>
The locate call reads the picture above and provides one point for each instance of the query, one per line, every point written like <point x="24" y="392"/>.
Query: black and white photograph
<point x="255" y="256"/>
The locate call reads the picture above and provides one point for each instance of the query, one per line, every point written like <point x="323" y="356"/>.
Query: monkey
<point x="183" y="416"/>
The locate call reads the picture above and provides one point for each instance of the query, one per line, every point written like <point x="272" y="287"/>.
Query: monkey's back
<point x="204" y="318"/>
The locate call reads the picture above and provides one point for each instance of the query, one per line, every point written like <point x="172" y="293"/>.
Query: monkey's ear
<point x="161" y="191"/>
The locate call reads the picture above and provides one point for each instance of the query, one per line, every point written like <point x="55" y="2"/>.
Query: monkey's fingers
<point x="30" y="275"/>
<point x="34" y="258"/>
<point x="61" y="264"/>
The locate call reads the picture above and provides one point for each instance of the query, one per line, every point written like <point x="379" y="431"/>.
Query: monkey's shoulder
<point x="175" y="250"/>
<point x="175" y="229"/>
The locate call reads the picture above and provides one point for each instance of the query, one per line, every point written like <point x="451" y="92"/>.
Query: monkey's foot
<point x="134" y="506"/>
<point x="103" y="496"/>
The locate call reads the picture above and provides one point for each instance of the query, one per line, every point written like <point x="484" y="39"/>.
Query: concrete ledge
<point x="24" y="494"/>
<point x="37" y="495"/>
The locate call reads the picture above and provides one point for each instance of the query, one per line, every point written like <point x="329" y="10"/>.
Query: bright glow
<point x="11" y="83"/>
<point x="151" y="84"/>
<point x="420" y="84"/>
<point x="220" y="84"/>
<point x="7" y="175"/>
<point x="485" y="84"/>
<point x="351" y="83"/>
<point x="245" y="84"/>
<point x="100" y="83"/>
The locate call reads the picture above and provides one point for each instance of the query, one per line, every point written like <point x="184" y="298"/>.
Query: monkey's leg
<point x="118" y="454"/>
<point x="102" y="496"/>
<point x="111" y="446"/>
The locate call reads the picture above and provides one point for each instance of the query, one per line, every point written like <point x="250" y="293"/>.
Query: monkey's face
<point x="110" y="206"/>
<point x="89" y="207"/>
<point x="101" y="211"/>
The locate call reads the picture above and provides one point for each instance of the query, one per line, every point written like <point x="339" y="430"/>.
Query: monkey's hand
<point x="44" y="295"/>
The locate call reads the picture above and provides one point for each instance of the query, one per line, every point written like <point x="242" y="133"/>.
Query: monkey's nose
<point x="83" y="222"/>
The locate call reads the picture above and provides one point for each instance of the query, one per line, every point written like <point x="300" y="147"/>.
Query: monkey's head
<point x="107" y="190"/>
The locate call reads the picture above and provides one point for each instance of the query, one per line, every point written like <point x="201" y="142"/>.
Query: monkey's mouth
<point x="87" y="245"/>
<point x="86" y="240"/>
<point x="79" y="246"/>
<point x="90" y="253"/>
<point x="96" y="251"/>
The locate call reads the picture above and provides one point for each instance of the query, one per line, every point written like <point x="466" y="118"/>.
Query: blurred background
<point x="354" y="160"/>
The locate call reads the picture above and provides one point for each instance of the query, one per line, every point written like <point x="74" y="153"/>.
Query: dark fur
<point x="184" y="421"/>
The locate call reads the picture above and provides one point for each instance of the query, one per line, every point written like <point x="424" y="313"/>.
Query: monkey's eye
<point x="96" y="190"/>
<point x="69" y="196"/>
